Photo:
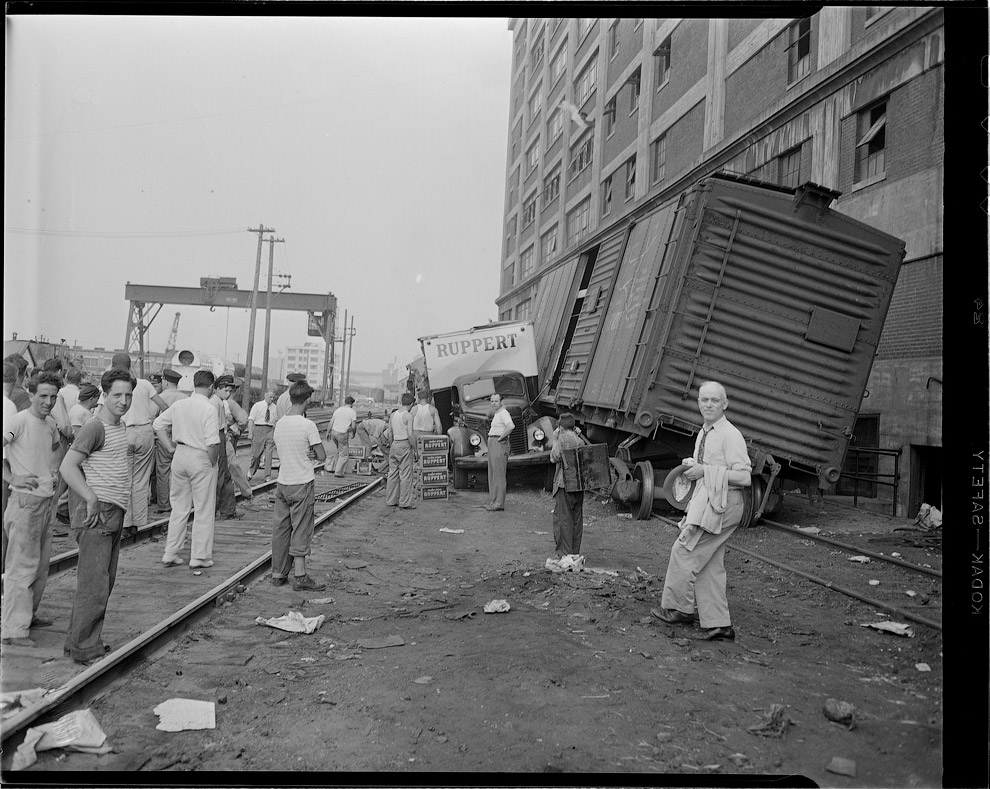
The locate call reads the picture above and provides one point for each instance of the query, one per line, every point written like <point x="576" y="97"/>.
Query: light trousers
<point x="262" y="444"/>
<point x="498" y="462"/>
<point x="27" y="523"/>
<point x="342" y="442"/>
<point x="237" y="474"/>
<point x="194" y="487"/>
<point x="399" y="483"/>
<point x="141" y="447"/>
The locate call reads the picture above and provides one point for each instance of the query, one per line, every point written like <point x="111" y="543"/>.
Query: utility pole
<point x="268" y="315"/>
<point x="350" y="352"/>
<point x="343" y="354"/>
<point x="246" y="394"/>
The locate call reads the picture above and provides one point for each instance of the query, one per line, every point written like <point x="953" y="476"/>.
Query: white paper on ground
<point x="294" y="622"/>
<point x="186" y="715"/>
<point x="76" y="731"/>
<point x="497" y="607"/>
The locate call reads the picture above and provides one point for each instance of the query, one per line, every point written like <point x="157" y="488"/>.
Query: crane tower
<point x="172" y="338"/>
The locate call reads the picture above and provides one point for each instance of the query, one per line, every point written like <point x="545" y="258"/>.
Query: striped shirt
<point x="106" y="467"/>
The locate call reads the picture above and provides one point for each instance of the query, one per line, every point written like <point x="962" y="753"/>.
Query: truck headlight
<point x="475" y="440"/>
<point x="539" y="435"/>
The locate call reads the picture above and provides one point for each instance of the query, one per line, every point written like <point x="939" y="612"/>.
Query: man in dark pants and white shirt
<point x="261" y="427"/>
<point x="498" y="453"/>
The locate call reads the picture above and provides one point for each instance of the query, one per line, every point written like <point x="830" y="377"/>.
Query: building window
<point x="548" y="244"/>
<point x="587" y="82"/>
<point x="871" y="131"/>
<point x="607" y="196"/>
<point x="609" y="114"/>
<point x="584" y="26"/>
<point x="558" y="63"/>
<point x="513" y="187"/>
<point x="631" y="178"/>
<point x="526" y="262"/>
<point x="551" y="187"/>
<point x="634" y="95"/>
<point x="789" y="168"/>
<point x="535" y="101"/>
<point x="799" y="50"/>
<point x="613" y="40"/>
<point x="536" y="55"/>
<point x="581" y="156"/>
<point x="579" y="222"/>
<point x="658" y="159"/>
<point x="529" y="211"/>
<point x="662" y="63"/>
<point x="510" y="232"/>
<point x="508" y="276"/>
<point x="533" y="155"/>
<point x="555" y="126"/>
<point x="524" y="309"/>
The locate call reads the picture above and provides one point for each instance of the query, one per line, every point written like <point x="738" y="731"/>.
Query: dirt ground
<point x="575" y="677"/>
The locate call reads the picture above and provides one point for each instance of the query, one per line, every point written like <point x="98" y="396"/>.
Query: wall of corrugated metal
<point x="585" y="337"/>
<point x="616" y="359"/>
<point x="552" y="308"/>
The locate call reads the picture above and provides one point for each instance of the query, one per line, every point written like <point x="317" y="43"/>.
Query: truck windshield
<point x="482" y="389"/>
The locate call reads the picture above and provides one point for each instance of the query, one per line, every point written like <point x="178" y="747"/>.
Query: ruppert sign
<point x="497" y="346"/>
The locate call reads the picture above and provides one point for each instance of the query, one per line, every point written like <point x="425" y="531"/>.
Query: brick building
<point x="609" y="114"/>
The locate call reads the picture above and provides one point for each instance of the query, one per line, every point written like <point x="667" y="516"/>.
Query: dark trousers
<point x="226" y="499"/>
<point x="292" y="533"/>
<point x="95" y="575"/>
<point x="568" y="521"/>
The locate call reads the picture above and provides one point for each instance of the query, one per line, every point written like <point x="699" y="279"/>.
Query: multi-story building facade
<point x="307" y="358"/>
<point x="610" y="116"/>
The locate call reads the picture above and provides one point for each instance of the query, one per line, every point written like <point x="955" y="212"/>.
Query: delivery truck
<point x="766" y="289"/>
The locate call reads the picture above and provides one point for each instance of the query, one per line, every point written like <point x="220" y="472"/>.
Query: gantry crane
<point x="171" y="344"/>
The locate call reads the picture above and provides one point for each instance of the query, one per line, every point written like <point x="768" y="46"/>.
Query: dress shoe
<point x="18" y="642"/>
<point x="175" y="561"/>
<point x="200" y="562"/>
<point x="718" y="634"/>
<point x="672" y="616"/>
<point x="39" y="621"/>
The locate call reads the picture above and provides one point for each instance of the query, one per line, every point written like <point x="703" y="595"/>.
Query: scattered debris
<point x="497" y="607"/>
<point x="321" y="601"/>
<point x="456" y="615"/>
<point x="841" y="766"/>
<point x="381" y="643"/>
<point x="895" y="555"/>
<point x="541" y="533"/>
<point x="896" y="628"/>
<point x="840" y="712"/>
<point x="424" y="680"/>
<point x="922" y="667"/>
<point x="294" y="622"/>
<point x="601" y="571"/>
<point x="874" y="582"/>
<point x="775" y="722"/>
<point x="571" y="562"/>
<point x="355" y="565"/>
<point x="16" y="700"/>
<point x="186" y="715"/>
<point x="739" y="759"/>
<point x="810" y="530"/>
<point x="451" y="531"/>
<point x="910" y="593"/>
<point x="76" y="731"/>
<point x="860" y="559"/>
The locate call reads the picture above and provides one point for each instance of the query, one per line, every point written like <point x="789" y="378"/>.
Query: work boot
<point x="302" y="583"/>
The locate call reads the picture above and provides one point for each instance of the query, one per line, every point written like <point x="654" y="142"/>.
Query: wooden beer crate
<point x="437" y="477"/>
<point x="357" y="451"/>
<point x="433" y="444"/>
<point x="433" y="461"/>
<point x="434" y="492"/>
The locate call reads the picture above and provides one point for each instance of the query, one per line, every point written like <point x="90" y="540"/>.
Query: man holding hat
<point x="283" y="404"/>
<point x="226" y="504"/>
<point x="163" y="458"/>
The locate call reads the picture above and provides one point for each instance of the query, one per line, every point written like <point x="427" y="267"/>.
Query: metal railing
<point x="874" y="478"/>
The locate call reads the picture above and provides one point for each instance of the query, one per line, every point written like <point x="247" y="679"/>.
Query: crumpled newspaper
<point x="294" y="622"/>
<point x="497" y="607"/>
<point x="897" y="628"/>
<point x="76" y="731"/>
<point x="572" y="562"/>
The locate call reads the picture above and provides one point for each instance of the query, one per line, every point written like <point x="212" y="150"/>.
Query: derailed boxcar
<point x="765" y="289"/>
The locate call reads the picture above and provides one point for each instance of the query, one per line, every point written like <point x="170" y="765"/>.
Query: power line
<point x="28" y="231"/>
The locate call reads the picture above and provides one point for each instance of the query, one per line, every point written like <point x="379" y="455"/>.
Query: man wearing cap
<point x="283" y="403"/>
<point x="146" y="404"/>
<point x="261" y="426"/>
<point x="82" y="411"/>
<point x="190" y="429"/>
<point x="226" y="501"/>
<point x="171" y="394"/>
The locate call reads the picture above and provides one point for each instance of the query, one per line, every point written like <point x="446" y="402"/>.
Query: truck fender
<point x="547" y="425"/>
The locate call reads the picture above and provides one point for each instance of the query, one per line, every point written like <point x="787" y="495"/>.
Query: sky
<point x="141" y="149"/>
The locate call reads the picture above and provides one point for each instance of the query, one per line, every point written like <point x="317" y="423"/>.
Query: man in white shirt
<point x="190" y="430"/>
<point x="342" y="427"/>
<point x="226" y="503"/>
<point x="498" y="453"/>
<point x="401" y="456"/>
<point x="69" y="393"/>
<point x="146" y="404"/>
<point x="82" y="411"/>
<point x="261" y="427"/>
<point x="296" y="438"/>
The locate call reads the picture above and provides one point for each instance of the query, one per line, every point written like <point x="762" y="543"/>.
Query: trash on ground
<point x="841" y="766"/>
<point x="294" y="622"/>
<point x="75" y="731"/>
<point x="840" y="712"/>
<point x="922" y="667"/>
<point x="541" y="533"/>
<point x="572" y="562"/>
<point x="526" y="574"/>
<point x="643" y="572"/>
<point x="451" y="531"/>
<point x="874" y="582"/>
<point x="809" y="529"/>
<point x="896" y="628"/>
<point x="601" y="571"/>
<point x="624" y="515"/>
<point x="381" y="643"/>
<point x="197" y="572"/>
<point x="860" y="559"/>
<point x="911" y="593"/>
<point x="186" y="715"/>
<point x="739" y="759"/>
<point x="16" y="700"/>
<point x="895" y="555"/>
<point x="424" y="680"/>
<point x="775" y="722"/>
<point x="455" y="615"/>
<point x="497" y="607"/>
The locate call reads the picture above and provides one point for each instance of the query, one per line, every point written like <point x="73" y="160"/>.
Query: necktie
<point x="701" y="446"/>
<point x="268" y="414"/>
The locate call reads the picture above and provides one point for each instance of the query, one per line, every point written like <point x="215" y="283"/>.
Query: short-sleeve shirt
<point x="69" y="394"/>
<point x="501" y="423"/>
<point x="193" y="422"/>
<point x="294" y="435"/>
<point x="79" y="415"/>
<point x="143" y="409"/>
<point x="106" y="466"/>
<point x="31" y="445"/>
<point x="725" y="446"/>
<point x="343" y="419"/>
<point x="171" y="396"/>
<point x="282" y="405"/>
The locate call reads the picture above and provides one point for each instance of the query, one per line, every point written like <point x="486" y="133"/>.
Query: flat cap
<point x="295" y="377"/>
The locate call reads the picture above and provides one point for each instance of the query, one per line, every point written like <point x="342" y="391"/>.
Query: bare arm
<point x="71" y="471"/>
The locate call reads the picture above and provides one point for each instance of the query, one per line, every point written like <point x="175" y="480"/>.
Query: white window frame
<point x="613" y="40"/>
<point x="862" y="165"/>
<point x="635" y="81"/>
<point x="658" y="159"/>
<point x="527" y="262"/>
<point x="535" y="102"/>
<point x="609" y="116"/>
<point x="533" y="156"/>
<point x="551" y="184"/>
<point x="663" y="62"/>
<point x="630" y="178"/>
<point x="529" y="210"/>
<point x="555" y="126"/>
<point x="785" y="159"/>
<point x="587" y="82"/>
<point x="582" y="154"/>
<point x="607" y="196"/>
<point x="548" y="244"/>
<point x="798" y="66"/>
<point x="580" y="215"/>
<point x="558" y="63"/>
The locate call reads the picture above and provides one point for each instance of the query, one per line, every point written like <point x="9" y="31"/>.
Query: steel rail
<point x="892" y="559"/>
<point x="830" y="585"/>
<point x="79" y="682"/>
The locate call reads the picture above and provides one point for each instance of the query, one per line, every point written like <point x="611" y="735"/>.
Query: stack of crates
<point x="431" y="468"/>
<point x="360" y="460"/>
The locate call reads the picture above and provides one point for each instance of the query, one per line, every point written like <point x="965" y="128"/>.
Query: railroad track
<point x="143" y="593"/>
<point x="894" y="585"/>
